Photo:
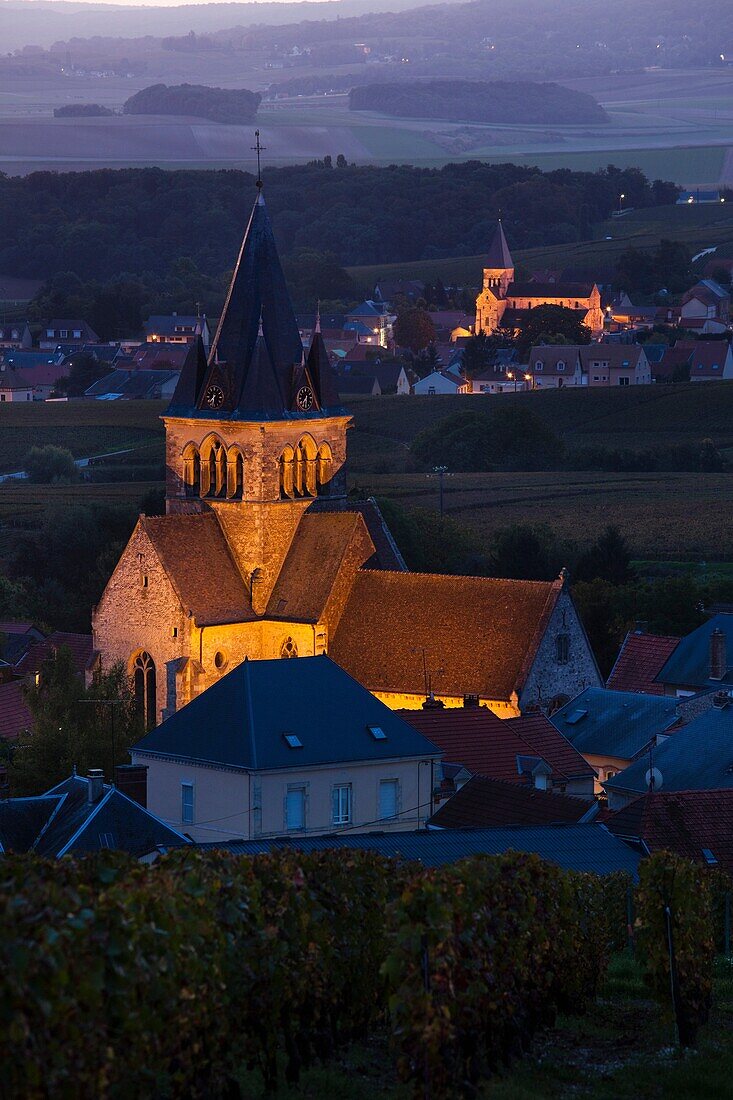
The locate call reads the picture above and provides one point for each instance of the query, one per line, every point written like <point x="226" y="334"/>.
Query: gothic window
<point x="217" y="470"/>
<point x="235" y="474"/>
<point x="324" y="463"/>
<point x="288" y="648"/>
<point x="192" y="471"/>
<point x="287" y="474"/>
<point x="143" y="674"/>
<point x="305" y="468"/>
<point x="562" y="648"/>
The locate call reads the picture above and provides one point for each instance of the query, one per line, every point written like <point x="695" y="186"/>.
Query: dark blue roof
<point x="573" y="847"/>
<point x="614" y="723"/>
<point x="64" y="821"/>
<point x="243" y="720"/>
<point x="698" y="756"/>
<point x="256" y="356"/>
<point x="689" y="664"/>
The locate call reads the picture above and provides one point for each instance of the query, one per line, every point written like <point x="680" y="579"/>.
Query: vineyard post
<point x="673" y="973"/>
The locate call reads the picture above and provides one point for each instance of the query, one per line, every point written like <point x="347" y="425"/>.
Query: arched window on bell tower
<point x="192" y="471"/>
<point x="287" y="474"/>
<point x="305" y="468"/>
<point x="324" y="469"/>
<point x="235" y="474"/>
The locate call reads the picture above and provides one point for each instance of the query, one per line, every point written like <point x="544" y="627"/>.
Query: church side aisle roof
<point x="197" y="561"/>
<point x="478" y="633"/>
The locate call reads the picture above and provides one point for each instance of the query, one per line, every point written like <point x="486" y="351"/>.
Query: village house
<point x="701" y="661"/>
<point x="63" y="331"/>
<point x="442" y="381"/>
<point x="14" y="386"/>
<point x="554" y="366"/>
<point x="262" y="553"/>
<point x="708" y="301"/>
<point x="697" y="825"/>
<point x="287" y="747"/>
<point x="81" y="815"/>
<point x="15" y="334"/>
<point x="485" y="803"/>
<point x="135" y="385"/>
<point x="710" y="361"/>
<point x="177" y="329"/>
<point x="503" y="302"/>
<point x="640" y="660"/>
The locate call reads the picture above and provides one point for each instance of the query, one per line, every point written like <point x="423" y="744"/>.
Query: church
<point x="262" y="554"/>
<point x="505" y="303"/>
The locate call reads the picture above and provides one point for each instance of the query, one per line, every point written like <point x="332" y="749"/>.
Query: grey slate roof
<point x="257" y="375"/>
<point x="573" y="847"/>
<point x="243" y="719"/>
<point x="498" y="255"/>
<point x="699" y="756"/>
<point x="63" y="822"/>
<point x="614" y="723"/>
<point x="690" y="662"/>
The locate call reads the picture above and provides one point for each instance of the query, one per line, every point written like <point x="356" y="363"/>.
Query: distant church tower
<point x="498" y="274"/>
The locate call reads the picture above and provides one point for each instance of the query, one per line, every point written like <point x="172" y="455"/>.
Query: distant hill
<point x="82" y="110"/>
<point x="235" y="105"/>
<point x="479" y="101"/>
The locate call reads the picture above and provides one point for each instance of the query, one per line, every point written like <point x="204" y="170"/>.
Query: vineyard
<point x="195" y="974"/>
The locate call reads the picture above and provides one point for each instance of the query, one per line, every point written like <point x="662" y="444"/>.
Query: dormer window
<point x="539" y="365"/>
<point x="561" y="365"/>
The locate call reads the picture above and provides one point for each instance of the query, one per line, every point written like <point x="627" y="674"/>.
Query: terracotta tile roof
<point x="685" y="822"/>
<point x="483" y="803"/>
<point x="79" y="644"/>
<point x="15" y="717"/>
<point x="478" y="634"/>
<point x="317" y="552"/>
<point x="640" y="660"/>
<point x="487" y="745"/>
<point x="207" y="581"/>
<point x="386" y="553"/>
<point x="550" y="290"/>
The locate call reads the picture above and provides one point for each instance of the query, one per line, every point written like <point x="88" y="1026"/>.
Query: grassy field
<point x="664" y="515"/>
<point x="698" y="227"/>
<point x="621" y="1049"/>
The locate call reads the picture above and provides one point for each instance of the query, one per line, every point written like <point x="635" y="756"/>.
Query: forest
<point x="235" y="105"/>
<point x="502" y="101"/>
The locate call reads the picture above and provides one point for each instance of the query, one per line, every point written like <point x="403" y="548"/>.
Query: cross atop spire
<point x="258" y="149"/>
<point x="318" y="316"/>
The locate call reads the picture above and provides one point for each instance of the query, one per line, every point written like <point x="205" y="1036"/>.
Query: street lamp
<point x="528" y="378"/>
<point x="620" y="202"/>
<point x="512" y="378"/>
<point x="441" y="471"/>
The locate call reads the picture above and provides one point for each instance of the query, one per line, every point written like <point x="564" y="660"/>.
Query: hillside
<point x="237" y="105"/>
<point x="502" y="101"/>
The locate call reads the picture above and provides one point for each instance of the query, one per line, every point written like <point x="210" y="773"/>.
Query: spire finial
<point x="260" y="330"/>
<point x="318" y="316"/>
<point x="258" y="149"/>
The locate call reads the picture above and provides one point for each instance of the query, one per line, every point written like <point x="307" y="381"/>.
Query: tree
<point x="50" y="465"/>
<point x="71" y="728"/>
<point x="85" y="370"/>
<point x="555" y="323"/>
<point x="414" y="329"/>
<point x="721" y="275"/>
<point x="609" y="559"/>
<point x="427" y="361"/>
<point x="509" y="438"/>
<point x="525" y="553"/>
<point x="341" y="161"/>
<point x="672" y="266"/>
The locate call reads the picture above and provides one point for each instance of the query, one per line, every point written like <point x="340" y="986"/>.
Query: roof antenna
<point x="318" y="316"/>
<point x="258" y="149"/>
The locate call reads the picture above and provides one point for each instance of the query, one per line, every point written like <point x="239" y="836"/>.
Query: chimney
<point x="721" y="699"/>
<point x="95" y="779"/>
<point x="132" y="780"/>
<point x="470" y="700"/>
<point x="431" y="703"/>
<point x="718" y="655"/>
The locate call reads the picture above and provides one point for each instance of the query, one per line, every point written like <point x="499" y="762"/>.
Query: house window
<point x="389" y="790"/>
<point x="187" y="803"/>
<point x="77" y="334"/>
<point x="561" y="365"/>
<point x="295" y="808"/>
<point x="431" y="389"/>
<point x="64" y="333"/>
<point x="2" y="397"/>
<point x="341" y="804"/>
<point x="49" y="333"/>
<point x="624" y="381"/>
<point x="562" y="648"/>
<point x="539" y="366"/>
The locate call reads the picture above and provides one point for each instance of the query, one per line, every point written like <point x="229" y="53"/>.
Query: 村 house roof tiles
<point x="15" y="715"/>
<point x="689" y="662"/>
<point x="80" y="646"/>
<point x="485" y="744"/>
<point x="243" y="719"/>
<point x="689" y="823"/>
<point x="208" y="582"/>
<point x="639" y="662"/>
<point x="599" y="722"/>
<point x="483" y="803"/>
<point x="477" y="634"/>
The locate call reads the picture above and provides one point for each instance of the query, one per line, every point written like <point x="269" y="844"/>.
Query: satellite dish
<point x="653" y="779"/>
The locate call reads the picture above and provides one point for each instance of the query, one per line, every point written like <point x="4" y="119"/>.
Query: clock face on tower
<point x="304" y="398"/>
<point x="214" y="397"/>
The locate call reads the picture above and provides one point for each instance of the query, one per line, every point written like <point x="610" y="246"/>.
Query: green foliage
<point x="522" y="101"/>
<point x="50" y="465"/>
<point x="668" y="267"/>
<point x="430" y="543"/>
<point x="482" y="954"/>
<point x="551" y="325"/>
<point x="674" y="894"/>
<point x="609" y="558"/>
<point x="414" y="329"/>
<point x="314" y="276"/>
<point x="237" y="105"/>
<point x="85" y="370"/>
<point x="506" y="437"/>
<point x="526" y="553"/>
<point x="73" y="726"/>
<point x="82" y="110"/>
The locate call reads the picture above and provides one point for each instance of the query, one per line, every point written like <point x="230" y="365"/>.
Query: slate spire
<point x="499" y="257"/>
<point x="257" y="346"/>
